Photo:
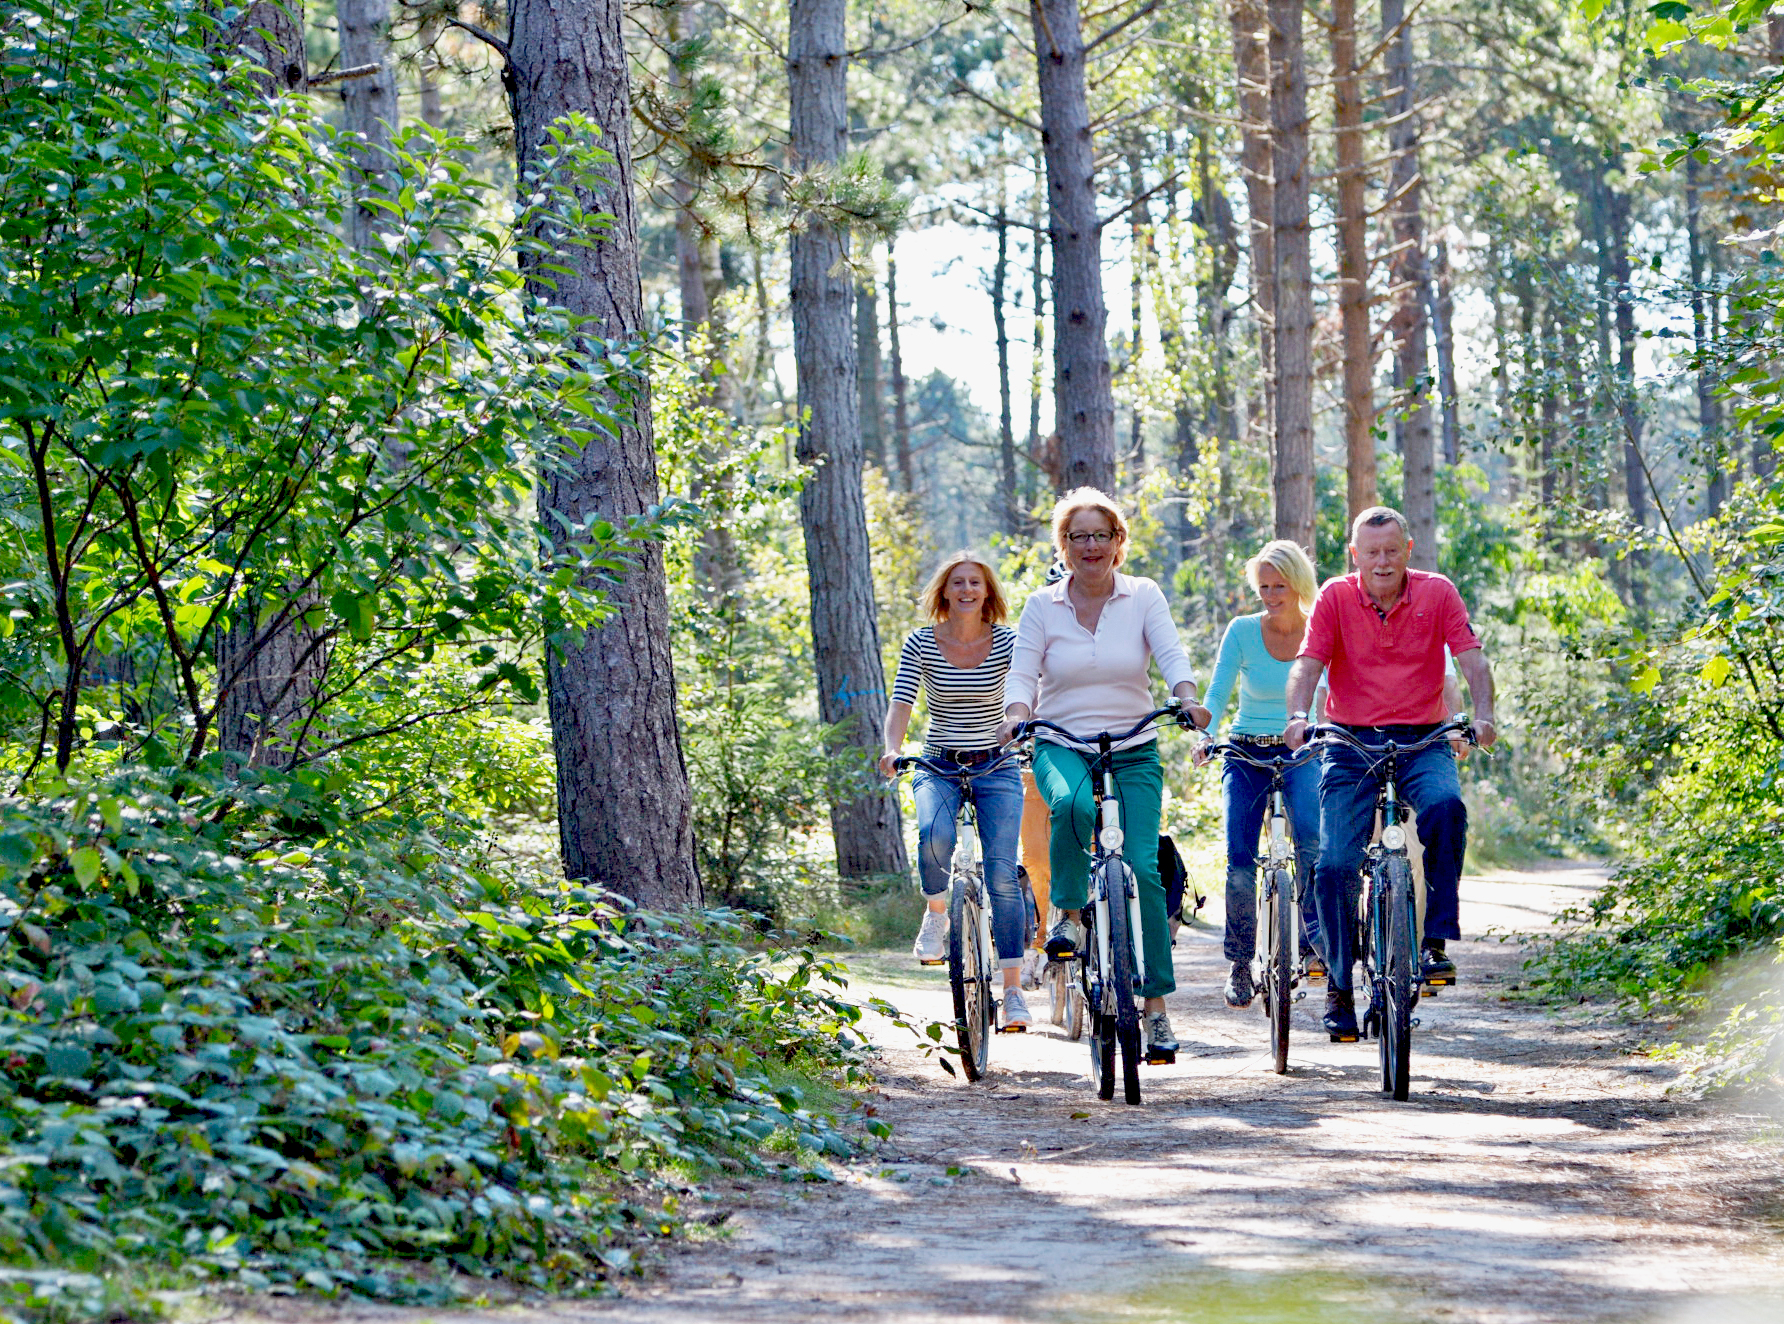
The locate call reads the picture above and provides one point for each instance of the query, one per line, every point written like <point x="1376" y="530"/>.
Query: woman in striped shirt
<point x="960" y="659"/>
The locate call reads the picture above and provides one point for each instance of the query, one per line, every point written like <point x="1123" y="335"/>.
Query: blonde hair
<point x="1089" y="498"/>
<point x="935" y="593"/>
<point x="1288" y="560"/>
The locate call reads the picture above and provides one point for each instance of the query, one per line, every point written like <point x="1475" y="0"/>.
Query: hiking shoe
<point x="1159" y="1036"/>
<point x="1340" y="1019"/>
<point x="1015" y="1011"/>
<point x="1239" y="988"/>
<point x="931" y="947"/>
<point x="1064" y="939"/>
<point x="1434" y="967"/>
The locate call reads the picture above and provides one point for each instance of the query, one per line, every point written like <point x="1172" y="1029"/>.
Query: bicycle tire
<point x="966" y="975"/>
<point x="1400" y="976"/>
<point x="1121" y="979"/>
<point x="1280" y="974"/>
<point x="1092" y="978"/>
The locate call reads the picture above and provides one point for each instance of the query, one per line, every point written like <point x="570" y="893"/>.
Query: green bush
<point x="251" y="1030"/>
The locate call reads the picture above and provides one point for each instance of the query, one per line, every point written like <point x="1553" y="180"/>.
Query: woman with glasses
<point x="1255" y="654"/>
<point x="1083" y="647"/>
<point x="960" y="660"/>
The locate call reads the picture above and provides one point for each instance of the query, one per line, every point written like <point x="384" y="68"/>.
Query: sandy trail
<point x="1540" y="1172"/>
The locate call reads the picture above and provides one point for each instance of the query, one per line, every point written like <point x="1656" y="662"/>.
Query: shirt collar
<point x="1412" y="579"/>
<point x="1124" y="588"/>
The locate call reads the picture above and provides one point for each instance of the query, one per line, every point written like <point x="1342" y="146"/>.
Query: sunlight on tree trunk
<point x="1357" y="340"/>
<point x="1291" y="241"/>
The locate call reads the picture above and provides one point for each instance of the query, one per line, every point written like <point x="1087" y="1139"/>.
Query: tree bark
<point x="624" y="811"/>
<point x="1358" y="345"/>
<point x="1037" y="364"/>
<point x="1292" y="476"/>
<point x="1709" y="407"/>
<point x="272" y="33"/>
<point x="427" y="74"/>
<point x="1635" y="483"/>
<point x="1251" y="60"/>
<point x="870" y="390"/>
<point x="844" y="622"/>
<point x="369" y="106"/>
<point x="1224" y="422"/>
<point x="1442" y="307"/>
<point x="1139" y="226"/>
<point x="1009" y="515"/>
<point x="1406" y="275"/>
<point x="901" y="395"/>
<point x="1083" y="393"/>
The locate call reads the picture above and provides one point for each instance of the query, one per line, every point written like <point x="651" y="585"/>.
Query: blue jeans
<point x="1247" y="799"/>
<point x="1347" y="820"/>
<point x="997" y="796"/>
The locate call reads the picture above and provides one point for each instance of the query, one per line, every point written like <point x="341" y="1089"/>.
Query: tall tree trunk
<point x="1358" y="344"/>
<point x="844" y="623"/>
<point x="1139" y="226"/>
<point x="369" y="106"/>
<point x="1037" y="363"/>
<point x="1292" y="477"/>
<point x="1224" y="421"/>
<point x="271" y="32"/>
<point x="1709" y="408"/>
<point x="1549" y="444"/>
<point x="1083" y="394"/>
<point x="901" y="393"/>
<point x="1406" y="274"/>
<point x="1009" y="517"/>
<point x="1635" y="483"/>
<point x="869" y="389"/>
<point x="1251" y="60"/>
<point x="427" y="73"/>
<point x="1442" y="306"/>
<point x="624" y="809"/>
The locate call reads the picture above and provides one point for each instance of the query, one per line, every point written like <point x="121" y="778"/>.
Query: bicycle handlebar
<point x="905" y="762"/>
<point x="1457" y="725"/>
<point x="1175" y="710"/>
<point x="1214" y="747"/>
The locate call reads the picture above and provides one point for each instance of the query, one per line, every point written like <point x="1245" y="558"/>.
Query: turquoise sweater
<point x="1262" y="680"/>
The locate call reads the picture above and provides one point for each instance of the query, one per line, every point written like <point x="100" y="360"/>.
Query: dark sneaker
<point x="1340" y="1019"/>
<point x="1436" y="969"/>
<point x="1064" y="939"/>
<point x="1239" y="989"/>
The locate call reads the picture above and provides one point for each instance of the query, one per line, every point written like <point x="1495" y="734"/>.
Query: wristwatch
<point x="1298" y="717"/>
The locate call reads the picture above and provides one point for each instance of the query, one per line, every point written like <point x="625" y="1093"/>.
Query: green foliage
<point x="233" y="1046"/>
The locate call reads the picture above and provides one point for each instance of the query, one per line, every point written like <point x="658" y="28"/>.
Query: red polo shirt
<point x="1386" y="670"/>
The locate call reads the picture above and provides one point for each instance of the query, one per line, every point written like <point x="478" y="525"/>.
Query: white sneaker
<point x="1159" y="1036"/>
<point x="1015" y="1011"/>
<point x="931" y="947"/>
<point x="1033" y="963"/>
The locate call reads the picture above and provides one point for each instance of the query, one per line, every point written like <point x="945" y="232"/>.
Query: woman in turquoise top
<point x="1256" y="653"/>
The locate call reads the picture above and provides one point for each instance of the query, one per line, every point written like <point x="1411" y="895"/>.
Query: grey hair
<point x="1375" y="517"/>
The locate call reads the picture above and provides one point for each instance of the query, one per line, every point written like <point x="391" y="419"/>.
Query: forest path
<point x="1539" y="1172"/>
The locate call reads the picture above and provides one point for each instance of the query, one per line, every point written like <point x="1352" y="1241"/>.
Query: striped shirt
<point x="966" y="704"/>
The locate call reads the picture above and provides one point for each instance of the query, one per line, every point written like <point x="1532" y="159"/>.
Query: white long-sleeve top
<point x="1090" y="682"/>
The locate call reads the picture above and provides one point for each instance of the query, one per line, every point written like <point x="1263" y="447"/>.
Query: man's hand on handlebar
<point x="1294" y="735"/>
<point x="1486" y="732"/>
<point x="888" y="763"/>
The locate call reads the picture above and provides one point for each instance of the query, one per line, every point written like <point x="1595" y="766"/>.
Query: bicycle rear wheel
<point x="1279" y="973"/>
<point x="1399" y="977"/>
<point x="966" y="974"/>
<point x="1094" y="980"/>
<point x="1119" y="982"/>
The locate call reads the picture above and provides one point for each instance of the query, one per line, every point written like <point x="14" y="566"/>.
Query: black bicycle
<point x="1279" y="894"/>
<point x="1389" y="905"/>
<point x="1111" y="959"/>
<point x="972" y="953"/>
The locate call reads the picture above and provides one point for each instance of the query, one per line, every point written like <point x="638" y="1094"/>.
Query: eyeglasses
<point x="1079" y="539"/>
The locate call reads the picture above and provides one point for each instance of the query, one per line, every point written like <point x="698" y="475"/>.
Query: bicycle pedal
<point x="1441" y="981"/>
<point x="1012" y="1029"/>
<point x="940" y="960"/>
<point x="1161" y="1057"/>
<point x="1344" y="1038"/>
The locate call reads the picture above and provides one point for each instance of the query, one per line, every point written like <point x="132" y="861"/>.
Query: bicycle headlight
<point x="1393" y="837"/>
<point x="1113" y="837"/>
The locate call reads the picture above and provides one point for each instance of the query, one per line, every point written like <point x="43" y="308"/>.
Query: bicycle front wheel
<point x="967" y="968"/>
<point x="1279" y="974"/>
<point x="1118" y="986"/>
<point x="1094" y="979"/>
<point x="1399" y="977"/>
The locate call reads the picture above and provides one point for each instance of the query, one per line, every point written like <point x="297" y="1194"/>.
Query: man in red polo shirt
<point x="1380" y="635"/>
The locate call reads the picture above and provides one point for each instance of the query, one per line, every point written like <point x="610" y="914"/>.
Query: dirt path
<point x="1540" y="1172"/>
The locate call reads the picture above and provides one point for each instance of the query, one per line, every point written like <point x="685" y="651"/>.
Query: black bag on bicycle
<point x="1175" y="876"/>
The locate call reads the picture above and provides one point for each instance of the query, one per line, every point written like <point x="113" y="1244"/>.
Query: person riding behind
<point x="1083" y="647"/>
<point x="1256" y="653"/>
<point x="1379" y="634"/>
<point x="960" y="660"/>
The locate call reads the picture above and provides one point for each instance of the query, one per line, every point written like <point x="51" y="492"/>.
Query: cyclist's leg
<point x="1428" y="781"/>
<point x="1140" y="781"/>
<point x="1247" y="792"/>
<point x="938" y="805"/>
<point x="1063" y="776"/>
<point x="998" y="796"/>
<point x="1346" y="805"/>
<point x="1301" y="791"/>
<point x="1035" y="845"/>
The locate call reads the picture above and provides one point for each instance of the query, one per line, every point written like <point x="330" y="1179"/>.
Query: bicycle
<point x="972" y="952"/>
<point x="1389" y="906"/>
<point x="1111" y="959"/>
<point x="1279" y="898"/>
